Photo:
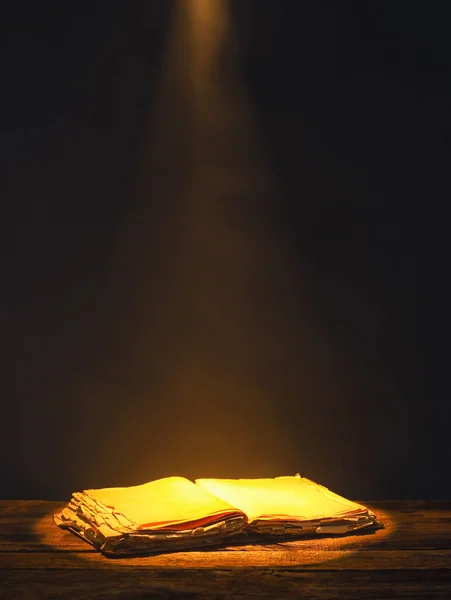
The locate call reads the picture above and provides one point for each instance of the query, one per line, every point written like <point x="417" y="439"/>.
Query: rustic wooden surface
<point x="410" y="558"/>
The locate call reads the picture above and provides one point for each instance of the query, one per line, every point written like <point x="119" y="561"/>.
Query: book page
<point x="294" y="498"/>
<point x="164" y="503"/>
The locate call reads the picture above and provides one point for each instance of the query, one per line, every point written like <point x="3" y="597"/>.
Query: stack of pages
<point x="174" y="513"/>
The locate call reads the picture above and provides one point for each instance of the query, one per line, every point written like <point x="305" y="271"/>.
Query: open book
<point x="174" y="513"/>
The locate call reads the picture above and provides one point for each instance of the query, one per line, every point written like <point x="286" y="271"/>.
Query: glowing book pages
<point x="290" y="505"/>
<point x="162" y="515"/>
<point x="175" y="514"/>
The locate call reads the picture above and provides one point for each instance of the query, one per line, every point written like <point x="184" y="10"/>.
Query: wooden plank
<point x="138" y="584"/>
<point x="28" y="508"/>
<point x="411" y="558"/>
<point x="277" y="559"/>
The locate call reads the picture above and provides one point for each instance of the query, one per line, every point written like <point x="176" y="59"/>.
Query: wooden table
<point x="410" y="558"/>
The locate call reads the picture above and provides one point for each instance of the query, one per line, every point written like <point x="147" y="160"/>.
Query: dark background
<point x="352" y="101"/>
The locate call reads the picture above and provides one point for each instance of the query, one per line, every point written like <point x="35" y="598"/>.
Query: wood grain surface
<point x="409" y="558"/>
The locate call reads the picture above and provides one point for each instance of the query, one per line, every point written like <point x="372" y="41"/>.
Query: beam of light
<point x="209" y="351"/>
<point x="215" y="249"/>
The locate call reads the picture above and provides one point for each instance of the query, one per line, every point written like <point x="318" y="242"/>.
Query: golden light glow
<point x="174" y="514"/>
<point x="206" y="274"/>
<point x="214" y="254"/>
<point x="208" y="21"/>
<point x="280" y="498"/>
<point x="165" y="503"/>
